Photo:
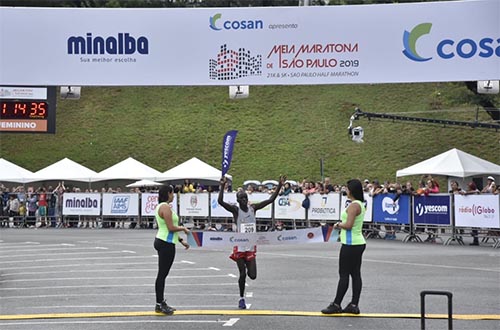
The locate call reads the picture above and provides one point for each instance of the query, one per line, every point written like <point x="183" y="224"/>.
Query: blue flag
<point x="227" y="150"/>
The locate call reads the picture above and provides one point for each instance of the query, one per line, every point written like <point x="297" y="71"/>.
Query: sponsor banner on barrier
<point x="289" y="207"/>
<point x="368" y="204"/>
<point x="149" y="201"/>
<point x="230" y="198"/>
<point x="218" y="211"/>
<point x="193" y="205"/>
<point x="388" y="210"/>
<point x="480" y="211"/>
<point x="324" y="207"/>
<point x="251" y="46"/>
<point x="81" y="204"/>
<point x="432" y="210"/>
<point x="213" y="239"/>
<point x="118" y="204"/>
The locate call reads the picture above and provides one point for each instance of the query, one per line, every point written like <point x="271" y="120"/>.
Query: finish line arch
<point x="359" y="44"/>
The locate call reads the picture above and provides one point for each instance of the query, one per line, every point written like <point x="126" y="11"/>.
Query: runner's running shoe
<point x="333" y="308"/>
<point x="351" y="309"/>
<point x="164" y="308"/>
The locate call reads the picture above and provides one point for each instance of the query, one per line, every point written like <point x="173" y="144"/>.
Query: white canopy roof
<point x="144" y="183"/>
<point x="193" y="169"/>
<point x="128" y="169"/>
<point x="65" y="169"/>
<point x="454" y="163"/>
<point x="11" y="172"/>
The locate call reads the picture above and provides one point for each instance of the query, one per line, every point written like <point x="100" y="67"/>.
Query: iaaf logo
<point x="120" y="204"/>
<point x="476" y="209"/>
<point x="430" y="209"/>
<point x="449" y="48"/>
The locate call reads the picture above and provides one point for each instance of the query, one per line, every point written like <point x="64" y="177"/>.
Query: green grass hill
<point x="282" y="129"/>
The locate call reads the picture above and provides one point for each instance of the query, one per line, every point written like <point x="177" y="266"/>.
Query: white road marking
<point x="72" y="259"/>
<point x="217" y="269"/>
<point x="94" y="286"/>
<point x="188" y="262"/>
<point x="167" y="320"/>
<point x="383" y="262"/>
<point x="128" y="251"/>
<point x="249" y="294"/>
<point x="232" y="275"/>
<point x="90" y="278"/>
<point x="120" y="295"/>
<point x="37" y="273"/>
<point x="231" y="322"/>
<point x="84" y="265"/>
<point x="55" y="254"/>
<point x="16" y="245"/>
<point x="44" y="250"/>
<point x="147" y="307"/>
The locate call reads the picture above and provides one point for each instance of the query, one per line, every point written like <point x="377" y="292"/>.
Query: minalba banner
<point x="357" y="44"/>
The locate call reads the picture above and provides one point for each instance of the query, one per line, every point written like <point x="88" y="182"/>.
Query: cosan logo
<point x="449" y="48"/>
<point x="121" y="44"/>
<point x="216" y="23"/>
<point x="287" y="238"/>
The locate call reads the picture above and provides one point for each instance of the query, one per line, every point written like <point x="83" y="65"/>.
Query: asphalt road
<point x="58" y="274"/>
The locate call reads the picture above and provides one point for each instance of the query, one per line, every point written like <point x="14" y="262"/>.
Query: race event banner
<point x="388" y="210"/>
<point x="81" y="204"/>
<point x="324" y="207"/>
<point x="302" y="45"/>
<point x="432" y="210"/>
<point x="193" y="205"/>
<point x="480" y="211"/>
<point x="120" y="204"/>
<point x="230" y="198"/>
<point x="289" y="207"/>
<point x="368" y="205"/>
<point x="149" y="201"/>
<point x="215" y="239"/>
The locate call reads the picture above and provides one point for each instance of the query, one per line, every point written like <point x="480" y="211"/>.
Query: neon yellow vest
<point x="163" y="233"/>
<point x="353" y="236"/>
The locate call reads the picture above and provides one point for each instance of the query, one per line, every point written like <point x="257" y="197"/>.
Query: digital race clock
<point x="27" y="109"/>
<point x="23" y="109"/>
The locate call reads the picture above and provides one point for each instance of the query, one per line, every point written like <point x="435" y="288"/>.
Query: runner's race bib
<point x="248" y="228"/>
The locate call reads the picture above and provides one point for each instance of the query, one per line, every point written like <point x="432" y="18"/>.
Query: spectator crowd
<point x="42" y="206"/>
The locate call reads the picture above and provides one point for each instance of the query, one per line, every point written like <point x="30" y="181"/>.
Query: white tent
<point x="194" y="170"/>
<point x="10" y="172"/>
<point x="454" y="163"/>
<point x="144" y="183"/>
<point x="128" y="169"/>
<point x="64" y="170"/>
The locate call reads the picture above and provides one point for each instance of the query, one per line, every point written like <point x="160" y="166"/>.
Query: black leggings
<point x="166" y="256"/>
<point x="350" y="265"/>
<point x="246" y="268"/>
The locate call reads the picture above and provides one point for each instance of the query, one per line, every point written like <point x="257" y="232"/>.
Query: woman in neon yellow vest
<point x="351" y="252"/>
<point x="166" y="238"/>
